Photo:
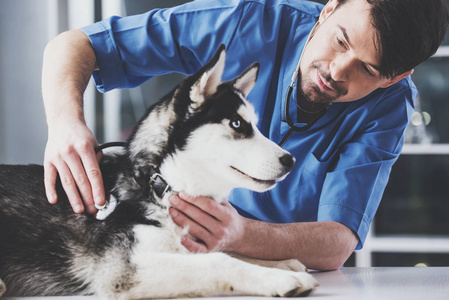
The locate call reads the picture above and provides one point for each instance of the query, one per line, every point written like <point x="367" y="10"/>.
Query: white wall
<point x="23" y="36"/>
<point x="26" y="26"/>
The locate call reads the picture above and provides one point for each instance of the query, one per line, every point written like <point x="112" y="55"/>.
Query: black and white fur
<point x="202" y="139"/>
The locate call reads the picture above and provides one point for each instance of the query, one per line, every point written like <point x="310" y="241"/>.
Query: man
<point x="345" y="118"/>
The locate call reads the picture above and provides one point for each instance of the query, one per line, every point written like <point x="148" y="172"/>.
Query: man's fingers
<point x="69" y="186"/>
<point x="201" y="224"/>
<point x="193" y="246"/>
<point x="212" y="215"/>
<point x="83" y="164"/>
<point x="212" y="207"/>
<point x="67" y="182"/>
<point x="92" y="169"/>
<point x="195" y="229"/>
<point x="50" y="175"/>
<point x="80" y="178"/>
<point x="193" y="212"/>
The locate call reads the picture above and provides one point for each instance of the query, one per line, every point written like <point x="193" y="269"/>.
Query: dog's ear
<point x="210" y="78"/>
<point x="246" y="81"/>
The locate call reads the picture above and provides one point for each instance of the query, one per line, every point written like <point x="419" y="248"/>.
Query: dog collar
<point x="150" y="175"/>
<point x="158" y="183"/>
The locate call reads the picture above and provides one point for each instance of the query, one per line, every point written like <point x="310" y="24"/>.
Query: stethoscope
<point x="292" y="127"/>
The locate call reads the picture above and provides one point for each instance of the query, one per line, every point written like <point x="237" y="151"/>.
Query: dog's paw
<point x="2" y="288"/>
<point x="293" y="284"/>
<point x="289" y="264"/>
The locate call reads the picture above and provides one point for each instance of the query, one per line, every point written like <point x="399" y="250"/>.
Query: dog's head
<point x="215" y="144"/>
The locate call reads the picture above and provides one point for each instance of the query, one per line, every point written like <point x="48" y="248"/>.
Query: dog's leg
<point x="170" y="275"/>
<point x="286" y="264"/>
<point x="2" y="287"/>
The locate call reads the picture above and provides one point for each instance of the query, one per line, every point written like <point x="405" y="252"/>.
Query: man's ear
<point x="397" y="78"/>
<point x="209" y="80"/>
<point x="328" y="10"/>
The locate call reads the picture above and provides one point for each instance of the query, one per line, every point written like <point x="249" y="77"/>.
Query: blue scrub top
<point x="343" y="161"/>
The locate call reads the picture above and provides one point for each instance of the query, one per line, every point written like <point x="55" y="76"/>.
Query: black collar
<point x="158" y="183"/>
<point x="144" y="175"/>
<point x="149" y="175"/>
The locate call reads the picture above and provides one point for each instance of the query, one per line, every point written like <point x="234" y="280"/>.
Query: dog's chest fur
<point x="155" y="231"/>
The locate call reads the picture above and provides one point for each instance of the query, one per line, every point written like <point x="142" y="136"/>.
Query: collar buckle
<point x="159" y="185"/>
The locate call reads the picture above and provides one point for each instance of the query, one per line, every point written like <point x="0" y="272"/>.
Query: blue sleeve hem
<point x="354" y="220"/>
<point x="108" y="59"/>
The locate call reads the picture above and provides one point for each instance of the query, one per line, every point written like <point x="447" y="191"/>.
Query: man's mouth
<point x="323" y="84"/>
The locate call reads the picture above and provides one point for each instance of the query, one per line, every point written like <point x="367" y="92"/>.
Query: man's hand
<point x="69" y="61"/>
<point x="217" y="226"/>
<point x="70" y="153"/>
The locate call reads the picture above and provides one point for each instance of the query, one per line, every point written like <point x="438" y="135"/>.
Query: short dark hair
<point x="408" y="32"/>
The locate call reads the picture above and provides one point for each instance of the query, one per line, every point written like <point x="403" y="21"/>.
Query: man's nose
<point x="341" y="67"/>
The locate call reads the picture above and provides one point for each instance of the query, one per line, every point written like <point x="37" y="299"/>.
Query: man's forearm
<point x="68" y="64"/>
<point x="318" y="245"/>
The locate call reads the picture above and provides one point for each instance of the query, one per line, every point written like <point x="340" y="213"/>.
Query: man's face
<point x="340" y="62"/>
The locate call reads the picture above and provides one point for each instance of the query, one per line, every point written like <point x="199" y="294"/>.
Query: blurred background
<point x="412" y="224"/>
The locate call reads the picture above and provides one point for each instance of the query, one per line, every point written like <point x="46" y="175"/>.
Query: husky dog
<point x="202" y="139"/>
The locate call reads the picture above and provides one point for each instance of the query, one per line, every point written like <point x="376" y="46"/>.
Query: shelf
<point x="399" y="244"/>
<point x="443" y="51"/>
<point x="408" y="244"/>
<point x="436" y="149"/>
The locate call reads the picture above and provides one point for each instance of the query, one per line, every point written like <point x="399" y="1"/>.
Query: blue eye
<point x="235" y="123"/>
<point x="242" y="129"/>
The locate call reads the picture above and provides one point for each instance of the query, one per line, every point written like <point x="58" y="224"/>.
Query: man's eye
<point x="368" y="71"/>
<point x="340" y="42"/>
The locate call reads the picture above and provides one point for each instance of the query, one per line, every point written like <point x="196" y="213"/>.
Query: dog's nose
<point x="287" y="160"/>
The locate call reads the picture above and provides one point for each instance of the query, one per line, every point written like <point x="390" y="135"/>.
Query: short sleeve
<point x="355" y="182"/>
<point x="131" y="50"/>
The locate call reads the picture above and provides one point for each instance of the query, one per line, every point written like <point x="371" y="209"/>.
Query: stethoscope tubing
<point x="291" y="124"/>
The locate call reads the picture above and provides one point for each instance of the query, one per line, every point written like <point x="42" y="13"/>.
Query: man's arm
<point x="68" y="64"/>
<point x="318" y="245"/>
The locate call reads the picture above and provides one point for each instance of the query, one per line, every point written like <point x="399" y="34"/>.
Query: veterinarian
<point x="347" y="110"/>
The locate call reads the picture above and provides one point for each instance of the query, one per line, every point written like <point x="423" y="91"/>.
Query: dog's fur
<point x="203" y="140"/>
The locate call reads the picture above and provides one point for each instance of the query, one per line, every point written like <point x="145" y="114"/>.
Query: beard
<point x="311" y="92"/>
